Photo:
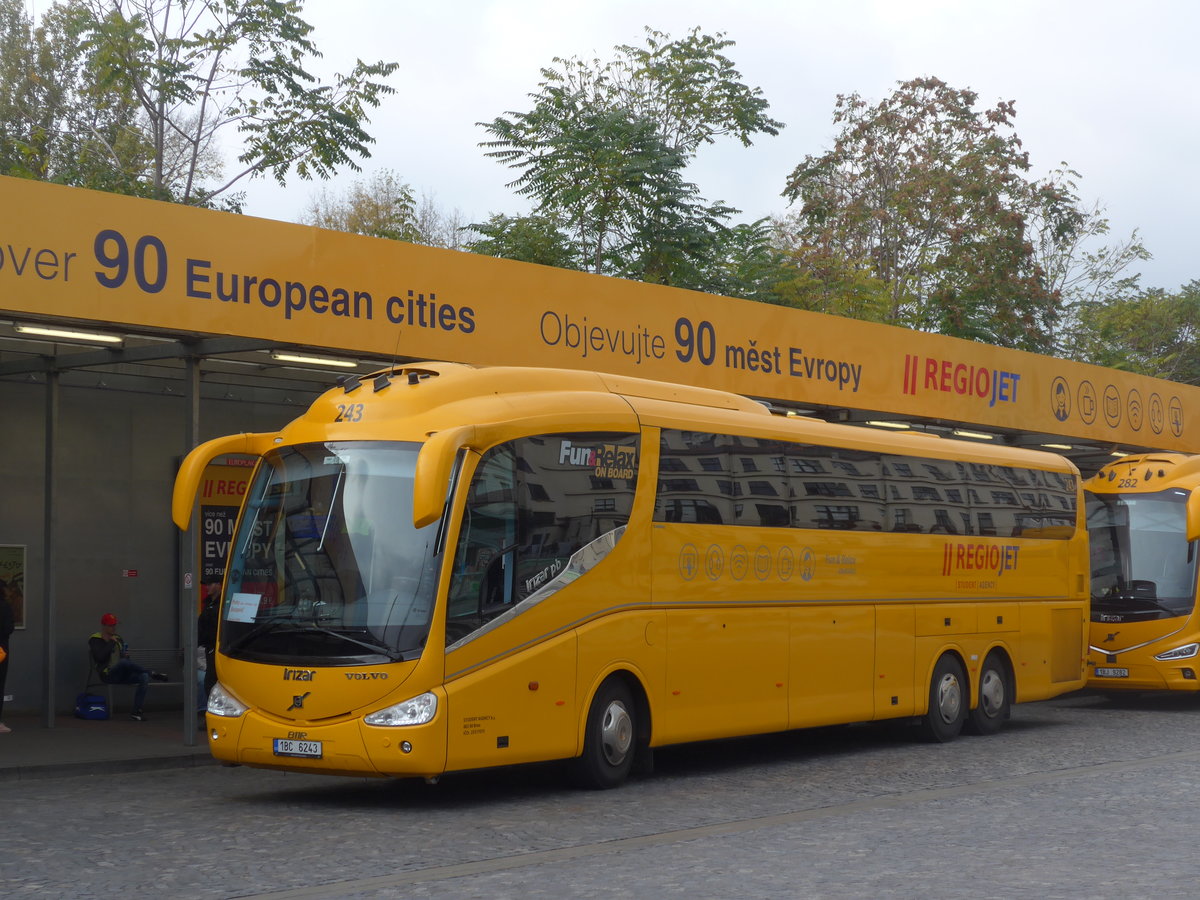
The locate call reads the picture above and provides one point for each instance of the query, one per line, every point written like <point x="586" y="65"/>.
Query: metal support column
<point x="49" y="589"/>
<point x="189" y="566"/>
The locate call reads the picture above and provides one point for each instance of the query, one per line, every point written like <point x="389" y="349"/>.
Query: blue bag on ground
<point x="90" y="706"/>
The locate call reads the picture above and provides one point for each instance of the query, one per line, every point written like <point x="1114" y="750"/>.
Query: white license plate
<point x="292" y="747"/>
<point x="1102" y="672"/>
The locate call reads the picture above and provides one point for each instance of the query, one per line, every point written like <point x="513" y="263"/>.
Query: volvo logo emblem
<point x="1112" y="636"/>
<point x="298" y="701"/>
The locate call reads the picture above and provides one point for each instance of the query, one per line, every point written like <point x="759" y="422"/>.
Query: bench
<point x="167" y="661"/>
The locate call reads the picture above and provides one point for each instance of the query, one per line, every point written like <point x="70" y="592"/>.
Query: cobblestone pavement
<point x="1078" y="797"/>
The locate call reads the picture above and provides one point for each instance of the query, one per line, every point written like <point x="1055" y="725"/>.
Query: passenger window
<point x="531" y="505"/>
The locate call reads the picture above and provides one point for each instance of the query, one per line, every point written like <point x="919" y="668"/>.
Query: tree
<point x="380" y="206"/>
<point x="933" y="194"/>
<point x="57" y="123"/>
<point x="533" y="239"/>
<point x="1079" y="270"/>
<point x="603" y="150"/>
<point x="821" y="279"/>
<point x="1152" y="332"/>
<point x="385" y="206"/>
<point x="200" y="68"/>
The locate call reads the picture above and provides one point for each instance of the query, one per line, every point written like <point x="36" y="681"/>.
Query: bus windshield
<point x="326" y="567"/>
<point x="1143" y="567"/>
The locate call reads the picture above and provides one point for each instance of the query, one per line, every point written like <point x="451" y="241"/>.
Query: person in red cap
<point x="111" y="655"/>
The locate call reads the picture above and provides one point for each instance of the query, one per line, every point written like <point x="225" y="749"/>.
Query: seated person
<point x="110" y="653"/>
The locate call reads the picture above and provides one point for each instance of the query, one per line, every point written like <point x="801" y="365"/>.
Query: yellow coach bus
<point x="440" y="568"/>
<point x="1143" y="519"/>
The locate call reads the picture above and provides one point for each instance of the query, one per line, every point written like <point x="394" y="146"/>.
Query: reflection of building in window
<point x="942" y="518"/>
<point x="843" y="517"/>
<point x="913" y="485"/>
<point x="826" y="489"/>
<point x="679" y="484"/>
<point x="513" y="541"/>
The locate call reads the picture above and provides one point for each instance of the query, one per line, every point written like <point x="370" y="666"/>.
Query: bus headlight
<point x="416" y="711"/>
<point x="223" y="703"/>
<point x="1187" y="651"/>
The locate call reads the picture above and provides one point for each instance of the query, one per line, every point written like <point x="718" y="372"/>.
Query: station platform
<point x="84" y="747"/>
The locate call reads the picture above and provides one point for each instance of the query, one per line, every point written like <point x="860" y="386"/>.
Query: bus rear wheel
<point x="947" y="701"/>
<point x="610" y="738"/>
<point x="995" y="697"/>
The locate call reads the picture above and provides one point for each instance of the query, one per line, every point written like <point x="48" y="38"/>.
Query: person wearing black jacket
<point x="111" y="655"/>
<point x="206" y="636"/>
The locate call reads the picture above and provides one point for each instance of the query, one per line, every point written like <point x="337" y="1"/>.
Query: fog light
<point x="213" y="735"/>
<point x="1189" y="675"/>
<point x="405" y="747"/>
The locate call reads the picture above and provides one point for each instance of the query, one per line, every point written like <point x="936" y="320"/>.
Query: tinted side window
<point x="531" y="505"/>
<point x="730" y="480"/>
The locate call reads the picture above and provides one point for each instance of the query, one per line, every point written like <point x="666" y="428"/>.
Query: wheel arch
<point x="634" y="681"/>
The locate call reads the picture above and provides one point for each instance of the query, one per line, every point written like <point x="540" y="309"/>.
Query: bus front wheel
<point x="947" y="701"/>
<point x="610" y="739"/>
<point x="995" y="697"/>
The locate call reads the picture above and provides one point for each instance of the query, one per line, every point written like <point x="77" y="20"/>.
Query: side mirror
<point x="432" y="476"/>
<point x="435" y="460"/>
<point x="1193" y="515"/>
<point x="187" y="479"/>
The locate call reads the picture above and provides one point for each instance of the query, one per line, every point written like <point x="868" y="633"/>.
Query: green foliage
<point x="382" y="206"/>
<point x="57" y="121"/>
<point x="821" y="279"/>
<point x="932" y="193"/>
<point x="132" y="96"/>
<point x="533" y="239"/>
<point x="603" y="149"/>
<point x="1152" y="332"/>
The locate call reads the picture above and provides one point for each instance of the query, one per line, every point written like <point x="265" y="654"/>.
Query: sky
<point x="1112" y="89"/>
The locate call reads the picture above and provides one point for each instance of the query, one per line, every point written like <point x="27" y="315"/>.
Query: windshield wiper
<point x="258" y="630"/>
<point x="377" y="646"/>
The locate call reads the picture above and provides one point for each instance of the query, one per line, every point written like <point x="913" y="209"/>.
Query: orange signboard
<point x="114" y="259"/>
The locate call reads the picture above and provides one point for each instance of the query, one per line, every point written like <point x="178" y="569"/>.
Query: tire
<point x="610" y="739"/>
<point x="994" y="697"/>
<point x="947" y="701"/>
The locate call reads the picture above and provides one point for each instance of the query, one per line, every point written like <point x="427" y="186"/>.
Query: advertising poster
<point x="12" y="578"/>
<point x="220" y="495"/>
